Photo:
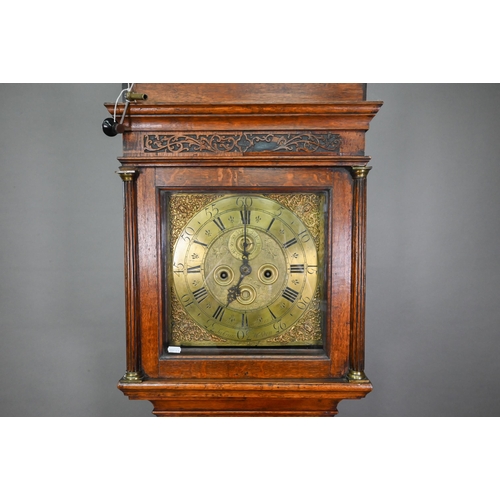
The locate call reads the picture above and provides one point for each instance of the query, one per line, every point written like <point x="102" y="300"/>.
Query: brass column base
<point x="357" y="377"/>
<point x="132" y="377"/>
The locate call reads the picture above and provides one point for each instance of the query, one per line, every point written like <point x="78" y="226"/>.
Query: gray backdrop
<point x="432" y="320"/>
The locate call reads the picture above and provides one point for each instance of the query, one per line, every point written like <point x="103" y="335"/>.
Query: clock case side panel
<point x="149" y="273"/>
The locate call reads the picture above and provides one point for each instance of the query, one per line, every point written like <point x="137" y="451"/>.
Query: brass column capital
<point x="128" y="175"/>
<point x="360" y="172"/>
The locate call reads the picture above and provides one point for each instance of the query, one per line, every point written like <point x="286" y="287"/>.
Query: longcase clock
<point x="245" y="210"/>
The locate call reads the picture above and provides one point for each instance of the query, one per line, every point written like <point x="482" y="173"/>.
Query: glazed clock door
<point x="244" y="283"/>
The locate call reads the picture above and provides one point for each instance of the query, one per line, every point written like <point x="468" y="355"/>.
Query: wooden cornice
<point x="340" y="116"/>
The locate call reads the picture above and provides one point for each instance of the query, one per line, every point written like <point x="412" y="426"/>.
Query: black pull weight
<point x="111" y="128"/>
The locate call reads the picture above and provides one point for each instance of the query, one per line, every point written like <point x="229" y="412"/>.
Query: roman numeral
<point x="219" y="223"/>
<point x="201" y="294"/>
<point x="272" y="314"/>
<point x="200" y="243"/>
<point x="297" y="268"/>
<point x="195" y="269"/>
<point x="270" y="224"/>
<point x="245" y="216"/>
<point x="290" y="294"/>
<point x="289" y="243"/>
<point x="219" y="313"/>
<point x="244" y="321"/>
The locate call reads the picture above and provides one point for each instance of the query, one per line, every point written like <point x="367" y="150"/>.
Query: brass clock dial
<point x="245" y="270"/>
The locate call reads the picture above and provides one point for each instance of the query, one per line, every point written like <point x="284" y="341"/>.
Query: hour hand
<point x="234" y="292"/>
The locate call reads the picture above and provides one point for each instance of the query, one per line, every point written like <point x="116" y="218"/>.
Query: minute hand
<point x="246" y="253"/>
<point x="245" y="268"/>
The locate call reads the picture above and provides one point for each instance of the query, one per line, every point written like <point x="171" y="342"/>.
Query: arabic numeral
<point x="187" y="233"/>
<point x="186" y="300"/>
<point x="304" y="236"/>
<point x="244" y="201"/>
<point x="211" y="211"/>
<point x="302" y="304"/>
<point x="241" y="334"/>
<point x="178" y="268"/>
<point x="279" y="326"/>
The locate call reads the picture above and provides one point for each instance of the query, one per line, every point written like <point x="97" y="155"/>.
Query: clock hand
<point x="245" y="241"/>
<point x="245" y="268"/>
<point x="234" y="292"/>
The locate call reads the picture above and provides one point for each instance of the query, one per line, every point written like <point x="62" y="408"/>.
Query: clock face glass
<point x="245" y="269"/>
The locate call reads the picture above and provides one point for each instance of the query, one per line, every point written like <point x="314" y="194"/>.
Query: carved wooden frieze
<point x="239" y="143"/>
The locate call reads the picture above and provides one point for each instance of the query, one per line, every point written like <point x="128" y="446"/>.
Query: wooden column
<point x="134" y="372"/>
<point x="357" y="341"/>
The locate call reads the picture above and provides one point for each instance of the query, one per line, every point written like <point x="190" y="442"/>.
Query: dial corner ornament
<point x="244" y="270"/>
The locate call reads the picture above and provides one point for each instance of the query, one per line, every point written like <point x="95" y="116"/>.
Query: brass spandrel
<point x="186" y="332"/>
<point x="182" y="207"/>
<point x="307" y="331"/>
<point x="307" y="206"/>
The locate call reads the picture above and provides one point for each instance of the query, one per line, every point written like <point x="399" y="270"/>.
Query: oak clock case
<point x="244" y="247"/>
<point x="245" y="270"/>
